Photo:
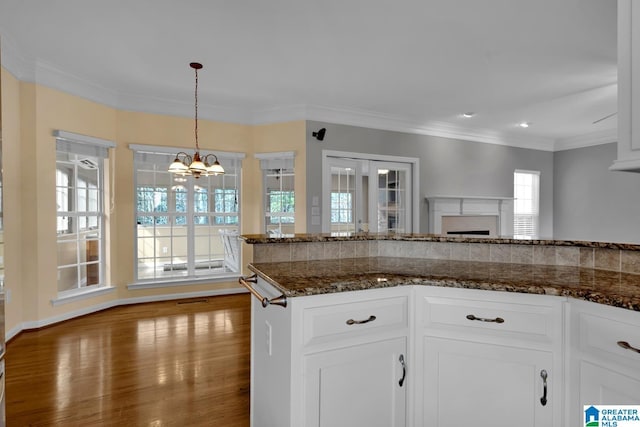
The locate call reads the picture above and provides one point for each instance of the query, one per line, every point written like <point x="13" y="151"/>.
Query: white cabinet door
<point x="357" y="386"/>
<point x="474" y="384"/>
<point x="605" y="386"/>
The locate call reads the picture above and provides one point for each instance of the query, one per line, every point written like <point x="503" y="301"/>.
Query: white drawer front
<point x="342" y="321"/>
<point x="490" y="318"/>
<point x="600" y="336"/>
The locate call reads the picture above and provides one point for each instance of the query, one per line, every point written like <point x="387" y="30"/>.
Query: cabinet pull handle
<point x="484" y="319"/>
<point x="628" y="346"/>
<point x="543" y="399"/>
<point x="404" y="370"/>
<point x="246" y="282"/>
<point x="360" y="322"/>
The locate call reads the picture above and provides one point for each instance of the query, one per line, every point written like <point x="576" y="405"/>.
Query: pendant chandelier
<point x="196" y="166"/>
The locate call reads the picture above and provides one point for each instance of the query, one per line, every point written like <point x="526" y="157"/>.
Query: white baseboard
<point x="115" y="303"/>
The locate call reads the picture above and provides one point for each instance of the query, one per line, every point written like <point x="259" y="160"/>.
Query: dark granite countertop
<point x="300" y="278"/>
<point x="415" y="237"/>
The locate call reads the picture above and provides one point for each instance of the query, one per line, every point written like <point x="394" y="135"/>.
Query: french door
<point x="363" y="195"/>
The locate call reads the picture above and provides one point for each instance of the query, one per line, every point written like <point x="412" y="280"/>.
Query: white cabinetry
<point x="628" y="87"/>
<point x="604" y="358"/>
<point x="331" y="360"/>
<point x="423" y="356"/>
<point x="356" y="386"/>
<point x="488" y="358"/>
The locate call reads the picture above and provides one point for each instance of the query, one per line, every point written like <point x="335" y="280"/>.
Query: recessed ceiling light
<point x="524" y="125"/>
<point x="468" y="115"/>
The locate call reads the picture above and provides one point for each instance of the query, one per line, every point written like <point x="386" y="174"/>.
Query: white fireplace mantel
<point x="500" y="207"/>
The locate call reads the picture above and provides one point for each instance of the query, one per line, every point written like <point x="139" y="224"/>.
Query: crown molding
<point x="595" y="138"/>
<point x="15" y="63"/>
<point x="29" y="70"/>
<point x="380" y="121"/>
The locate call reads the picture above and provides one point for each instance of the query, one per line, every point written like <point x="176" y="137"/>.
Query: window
<point x="526" y="189"/>
<point x="80" y="211"/>
<point x="341" y="208"/>
<point x="187" y="228"/>
<point x="279" y="196"/>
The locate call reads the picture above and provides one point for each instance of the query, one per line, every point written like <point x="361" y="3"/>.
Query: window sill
<point x="82" y="294"/>
<point x="232" y="277"/>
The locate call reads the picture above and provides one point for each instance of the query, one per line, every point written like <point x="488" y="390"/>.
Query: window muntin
<point x="279" y="201"/>
<point x="80" y="220"/>
<point x="186" y="228"/>
<point x="341" y="208"/>
<point x="526" y="191"/>
<point x="278" y="192"/>
<point x="280" y="207"/>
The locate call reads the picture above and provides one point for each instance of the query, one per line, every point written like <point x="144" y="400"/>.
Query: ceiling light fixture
<point x="184" y="164"/>
<point x="524" y="125"/>
<point x="468" y="115"/>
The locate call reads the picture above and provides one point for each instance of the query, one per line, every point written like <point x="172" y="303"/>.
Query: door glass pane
<point x="392" y="201"/>
<point x="367" y="196"/>
<point x="342" y="201"/>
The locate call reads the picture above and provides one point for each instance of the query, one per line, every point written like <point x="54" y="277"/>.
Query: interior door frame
<point x="326" y="183"/>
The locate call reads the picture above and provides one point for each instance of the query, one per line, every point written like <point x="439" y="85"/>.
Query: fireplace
<point x="471" y="216"/>
<point x="470" y="225"/>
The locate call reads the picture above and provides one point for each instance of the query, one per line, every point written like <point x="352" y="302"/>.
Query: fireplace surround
<point x="471" y="215"/>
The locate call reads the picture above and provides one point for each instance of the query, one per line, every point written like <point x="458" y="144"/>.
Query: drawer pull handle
<point x="404" y="370"/>
<point x="628" y="346"/>
<point x="360" y="322"/>
<point x="484" y="319"/>
<point x="543" y="399"/>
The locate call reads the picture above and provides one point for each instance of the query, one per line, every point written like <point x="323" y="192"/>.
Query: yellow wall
<point x="12" y="197"/>
<point x="30" y="114"/>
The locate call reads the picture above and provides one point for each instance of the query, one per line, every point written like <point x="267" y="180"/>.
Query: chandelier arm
<point x="204" y="159"/>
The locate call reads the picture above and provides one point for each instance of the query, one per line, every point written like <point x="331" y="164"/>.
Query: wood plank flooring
<point x="174" y="363"/>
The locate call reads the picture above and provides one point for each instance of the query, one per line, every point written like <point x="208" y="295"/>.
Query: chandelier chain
<point x="196" y="115"/>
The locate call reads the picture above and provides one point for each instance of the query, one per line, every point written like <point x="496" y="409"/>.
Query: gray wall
<point x="591" y="202"/>
<point x="447" y="166"/>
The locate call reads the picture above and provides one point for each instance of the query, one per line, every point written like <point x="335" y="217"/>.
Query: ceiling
<point x="408" y="65"/>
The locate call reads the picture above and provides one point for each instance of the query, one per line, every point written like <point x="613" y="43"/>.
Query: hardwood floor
<point x="175" y="363"/>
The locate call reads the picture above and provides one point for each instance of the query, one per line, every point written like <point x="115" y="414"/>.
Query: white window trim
<point x="233" y="277"/>
<point x="83" y="139"/>
<point x="66" y="297"/>
<point x="101" y="286"/>
<point x="173" y="150"/>
<point x="537" y="214"/>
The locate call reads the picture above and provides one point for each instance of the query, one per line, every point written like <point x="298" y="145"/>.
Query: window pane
<point x="526" y="204"/>
<point x="68" y="278"/>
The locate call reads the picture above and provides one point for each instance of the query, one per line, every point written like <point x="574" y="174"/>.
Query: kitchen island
<point x="414" y="326"/>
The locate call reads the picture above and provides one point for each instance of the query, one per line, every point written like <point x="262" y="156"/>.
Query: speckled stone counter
<point x="314" y="277"/>
<point x="619" y="257"/>
<point x="311" y="264"/>
<point x="414" y="237"/>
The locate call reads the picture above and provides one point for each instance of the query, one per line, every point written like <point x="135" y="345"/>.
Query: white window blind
<point x="526" y="191"/>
